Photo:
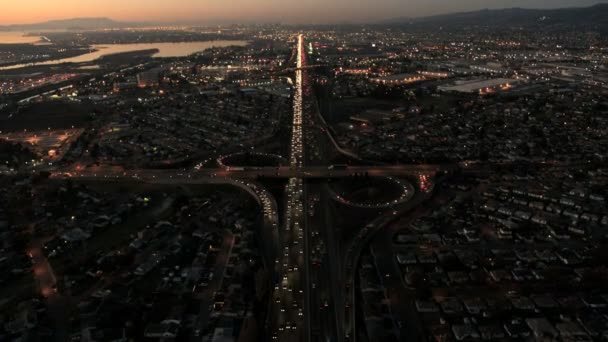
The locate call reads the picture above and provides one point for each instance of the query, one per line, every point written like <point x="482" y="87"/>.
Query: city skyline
<point x="249" y="11"/>
<point x="304" y="171"/>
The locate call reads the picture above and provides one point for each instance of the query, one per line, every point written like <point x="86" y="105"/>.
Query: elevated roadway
<point x="308" y="172"/>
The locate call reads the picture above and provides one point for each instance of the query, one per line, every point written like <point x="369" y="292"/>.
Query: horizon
<point x="191" y="12"/>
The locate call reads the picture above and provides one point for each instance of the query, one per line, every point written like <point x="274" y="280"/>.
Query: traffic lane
<point x="325" y="301"/>
<point x="327" y="305"/>
<point x="333" y="249"/>
<point x="290" y="323"/>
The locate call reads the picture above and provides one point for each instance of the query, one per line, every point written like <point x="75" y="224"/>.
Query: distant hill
<point x="594" y="17"/>
<point x="67" y="24"/>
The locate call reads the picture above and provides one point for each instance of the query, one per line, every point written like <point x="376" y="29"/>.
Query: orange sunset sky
<point x="30" y="11"/>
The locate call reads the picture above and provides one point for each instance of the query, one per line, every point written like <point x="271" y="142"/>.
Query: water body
<point x="165" y="50"/>
<point x="10" y="37"/>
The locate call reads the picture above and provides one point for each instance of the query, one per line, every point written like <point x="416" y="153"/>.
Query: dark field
<point x="371" y="190"/>
<point x="52" y="114"/>
<point x="253" y="160"/>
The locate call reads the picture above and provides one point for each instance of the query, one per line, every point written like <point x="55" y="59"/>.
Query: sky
<point x="285" y="11"/>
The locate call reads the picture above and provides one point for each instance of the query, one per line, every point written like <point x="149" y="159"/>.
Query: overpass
<point x="308" y="172"/>
<point x="304" y="67"/>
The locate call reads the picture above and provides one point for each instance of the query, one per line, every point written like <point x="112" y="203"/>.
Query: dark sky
<point x="289" y="11"/>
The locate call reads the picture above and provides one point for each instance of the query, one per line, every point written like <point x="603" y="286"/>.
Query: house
<point x="464" y="331"/>
<point x="474" y="306"/>
<point x="458" y="277"/>
<point x="516" y="329"/>
<point x="406" y="258"/>
<point x="522" y="303"/>
<point x="571" y="331"/>
<point x="167" y="329"/>
<point x="491" y="332"/>
<point x="544" y="302"/>
<point x="594" y="325"/>
<point x="426" y="306"/>
<point x="542" y="329"/>
<point x="451" y="306"/>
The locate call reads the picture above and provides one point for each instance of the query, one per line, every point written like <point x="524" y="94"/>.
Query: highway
<point x="325" y="300"/>
<point x="289" y="295"/>
<point x="325" y="274"/>
<point x="318" y="171"/>
<point x="288" y="172"/>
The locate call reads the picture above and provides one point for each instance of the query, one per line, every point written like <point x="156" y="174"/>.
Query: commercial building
<point x="398" y="79"/>
<point x="149" y="78"/>
<point x="483" y="86"/>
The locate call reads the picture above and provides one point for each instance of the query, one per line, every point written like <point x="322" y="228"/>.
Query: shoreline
<point x="96" y="50"/>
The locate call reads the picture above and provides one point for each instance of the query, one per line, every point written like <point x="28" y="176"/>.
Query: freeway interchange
<point x="305" y="252"/>
<point x="313" y="297"/>
<point x="313" y="264"/>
